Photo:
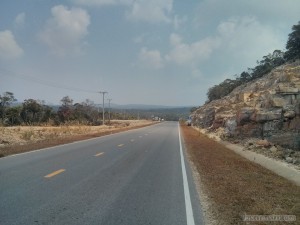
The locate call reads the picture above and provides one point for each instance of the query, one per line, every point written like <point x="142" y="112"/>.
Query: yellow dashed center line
<point x="55" y="173"/>
<point x="120" y="145"/>
<point x="101" y="153"/>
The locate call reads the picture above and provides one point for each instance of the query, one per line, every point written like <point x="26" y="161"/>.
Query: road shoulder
<point x="232" y="186"/>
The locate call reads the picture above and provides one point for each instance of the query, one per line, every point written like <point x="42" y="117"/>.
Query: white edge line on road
<point x="187" y="196"/>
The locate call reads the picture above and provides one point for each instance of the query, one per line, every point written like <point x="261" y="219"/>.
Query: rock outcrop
<point x="266" y="108"/>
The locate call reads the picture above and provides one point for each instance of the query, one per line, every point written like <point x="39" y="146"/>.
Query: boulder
<point x="289" y="159"/>
<point x="267" y="115"/>
<point x="263" y="143"/>
<point x="273" y="149"/>
<point x="249" y="130"/>
<point x="294" y="124"/>
<point x="244" y="115"/>
<point x="230" y="126"/>
<point x="278" y="102"/>
<point x="289" y="114"/>
<point x="272" y="125"/>
<point x="286" y="88"/>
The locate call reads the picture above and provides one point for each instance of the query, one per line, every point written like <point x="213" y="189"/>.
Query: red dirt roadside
<point x="234" y="187"/>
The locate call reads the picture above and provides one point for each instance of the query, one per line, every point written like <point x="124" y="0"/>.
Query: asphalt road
<point x="134" y="177"/>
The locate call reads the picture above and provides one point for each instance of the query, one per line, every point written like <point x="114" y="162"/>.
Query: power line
<point x="44" y="82"/>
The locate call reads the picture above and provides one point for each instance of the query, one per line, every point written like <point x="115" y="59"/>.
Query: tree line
<point x="264" y="66"/>
<point x="36" y="112"/>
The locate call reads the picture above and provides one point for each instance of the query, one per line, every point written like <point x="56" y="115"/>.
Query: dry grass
<point x="20" y="139"/>
<point x="235" y="186"/>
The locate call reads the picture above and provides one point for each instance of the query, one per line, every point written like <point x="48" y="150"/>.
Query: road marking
<point x="55" y="173"/>
<point x="132" y="140"/>
<point x="146" y="134"/>
<point x="120" y="145"/>
<point x="74" y="143"/>
<point x="101" y="153"/>
<point x="140" y="136"/>
<point x="186" y="190"/>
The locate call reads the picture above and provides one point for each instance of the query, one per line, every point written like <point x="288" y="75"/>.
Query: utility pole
<point x="109" y="100"/>
<point x="103" y="93"/>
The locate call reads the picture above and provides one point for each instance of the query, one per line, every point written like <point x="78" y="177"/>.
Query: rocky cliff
<point x="267" y="108"/>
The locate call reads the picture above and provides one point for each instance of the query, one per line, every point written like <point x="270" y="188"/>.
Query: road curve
<point x="134" y="177"/>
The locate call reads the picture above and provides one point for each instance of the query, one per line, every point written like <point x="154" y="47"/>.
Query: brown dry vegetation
<point x="235" y="186"/>
<point x="14" y="140"/>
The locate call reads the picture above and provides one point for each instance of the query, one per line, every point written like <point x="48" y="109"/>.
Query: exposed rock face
<point x="267" y="108"/>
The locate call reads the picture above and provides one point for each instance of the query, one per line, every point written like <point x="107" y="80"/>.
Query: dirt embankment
<point x="232" y="187"/>
<point x="20" y="139"/>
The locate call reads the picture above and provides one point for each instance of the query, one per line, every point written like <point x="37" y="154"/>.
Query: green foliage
<point x="85" y="112"/>
<point x="13" y="116"/>
<point x="31" y="111"/>
<point x="65" y="111"/>
<point x="263" y="67"/>
<point x="35" y="112"/>
<point x="193" y="109"/>
<point x="6" y="99"/>
<point x="293" y="44"/>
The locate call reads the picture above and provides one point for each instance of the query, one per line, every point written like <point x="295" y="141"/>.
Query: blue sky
<point x="162" y="52"/>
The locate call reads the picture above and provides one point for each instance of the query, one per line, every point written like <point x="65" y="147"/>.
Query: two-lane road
<point x="135" y="177"/>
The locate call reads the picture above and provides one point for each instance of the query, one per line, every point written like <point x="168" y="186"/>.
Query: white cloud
<point x="101" y="2"/>
<point x="20" y="19"/>
<point x="153" y="11"/>
<point x="65" y="30"/>
<point x="190" y="54"/>
<point x="151" y="58"/>
<point x="196" y="73"/>
<point x="179" y="21"/>
<point x="247" y="39"/>
<point x="240" y="39"/>
<point x="139" y="39"/>
<point x="9" y="48"/>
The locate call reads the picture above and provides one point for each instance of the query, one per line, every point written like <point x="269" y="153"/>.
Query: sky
<point x="157" y="52"/>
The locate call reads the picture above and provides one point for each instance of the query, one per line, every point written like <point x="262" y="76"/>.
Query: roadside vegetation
<point x="36" y="112"/>
<point x="19" y="139"/>
<point x="264" y="66"/>
<point x="233" y="187"/>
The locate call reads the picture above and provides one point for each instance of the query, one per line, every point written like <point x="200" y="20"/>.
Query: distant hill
<point x="167" y="113"/>
<point x="144" y="106"/>
<point x="142" y="111"/>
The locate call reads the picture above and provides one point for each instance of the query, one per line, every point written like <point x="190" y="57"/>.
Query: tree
<point x="85" y="112"/>
<point x="293" y="44"/>
<point x="31" y="111"/>
<point x="65" y="111"/>
<point x="46" y="113"/>
<point x="245" y="77"/>
<point x="6" y="99"/>
<point x="13" y="115"/>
